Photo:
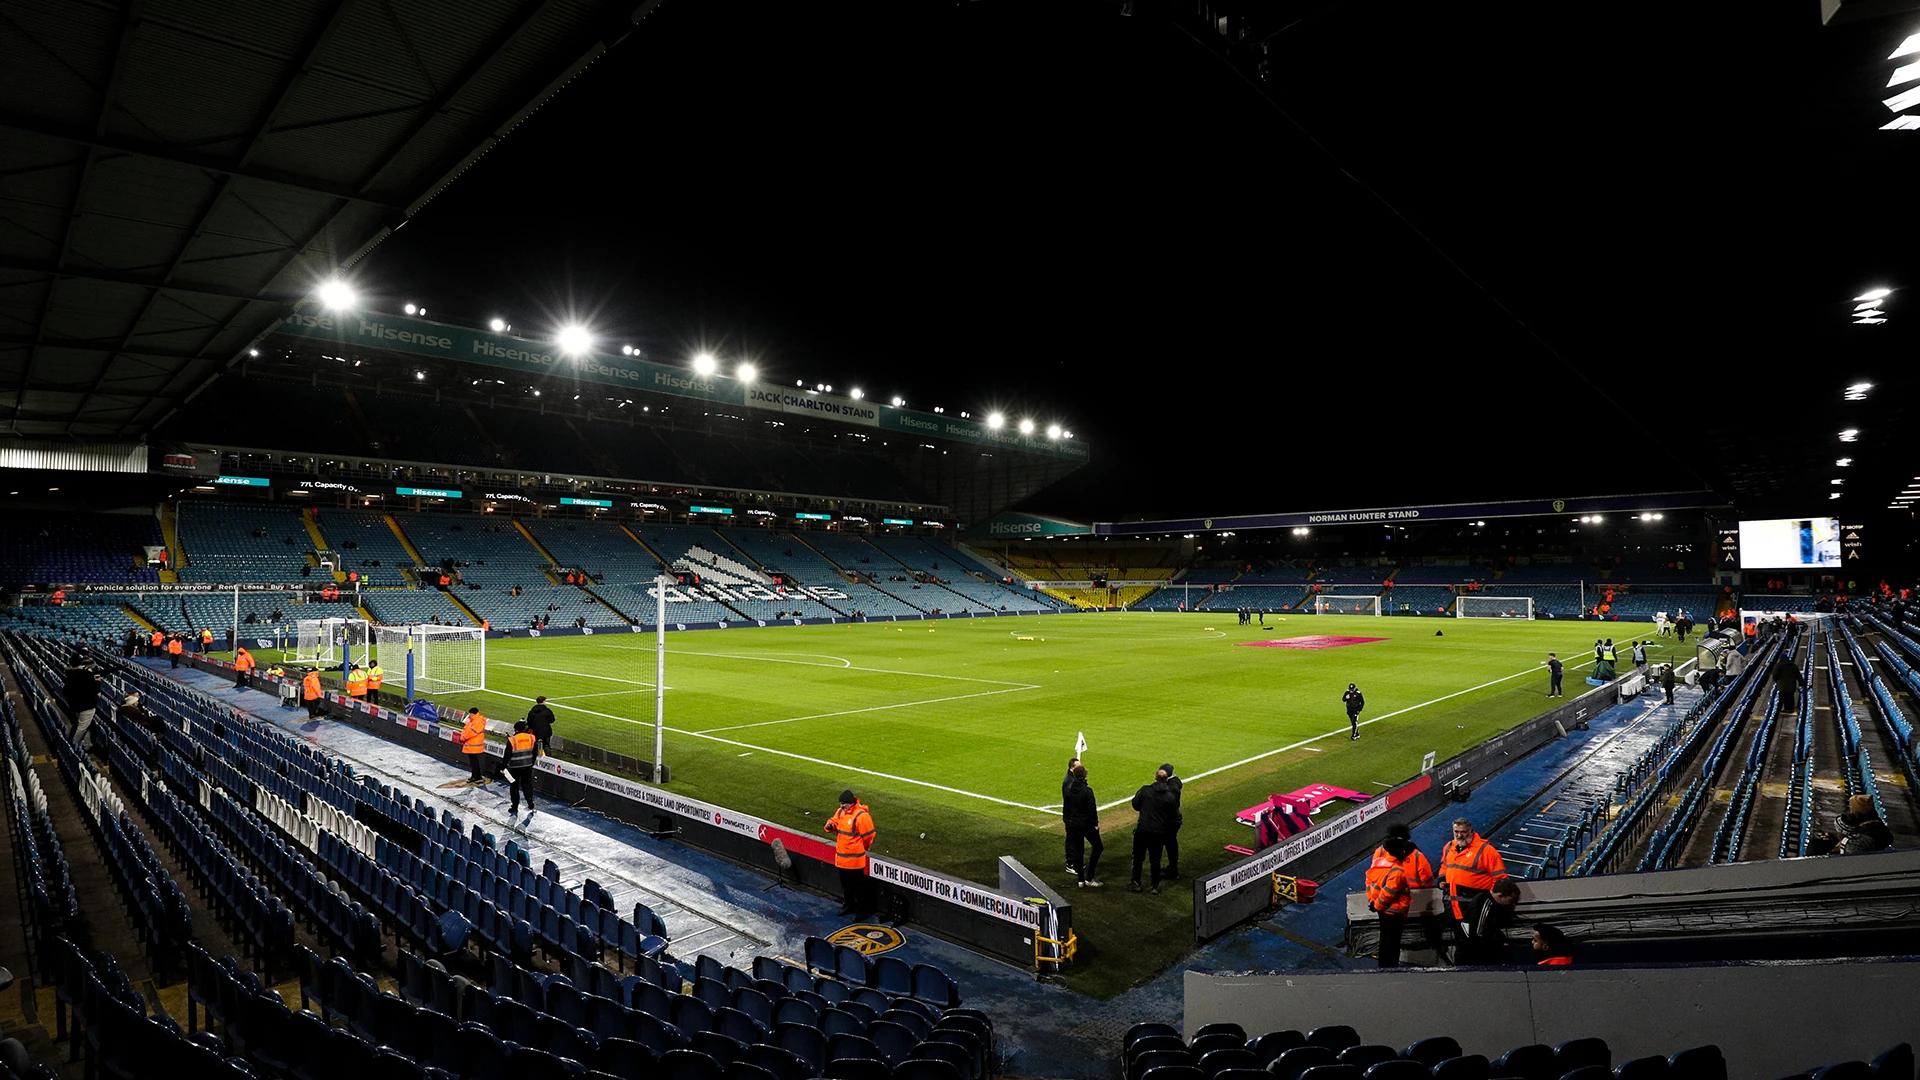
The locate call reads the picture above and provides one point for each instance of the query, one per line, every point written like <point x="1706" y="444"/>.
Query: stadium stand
<point x="402" y="606"/>
<point x="366" y="544"/>
<point x="69" y="548"/>
<point x="100" y="620"/>
<point x="274" y="837"/>
<point x="786" y="555"/>
<point x="1416" y="599"/>
<point x="234" y="542"/>
<point x="264" y="613"/>
<point x="487" y="550"/>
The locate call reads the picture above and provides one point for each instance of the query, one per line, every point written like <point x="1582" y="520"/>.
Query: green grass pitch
<point x="960" y="729"/>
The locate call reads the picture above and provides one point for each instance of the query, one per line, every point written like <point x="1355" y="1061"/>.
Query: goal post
<point x="1368" y="604"/>
<point x="1493" y="607"/>
<point x="327" y="642"/>
<point x="445" y="659"/>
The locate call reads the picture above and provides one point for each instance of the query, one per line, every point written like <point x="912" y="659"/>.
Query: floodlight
<point x="1907" y="48"/>
<point x="1908" y="122"/>
<point x="939" y="408"/>
<point x="705" y="364"/>
<point x="419" y="375"/>
<point x="1850" y="435"/>
<point x="536" y="393"/>
<point x="1905" y="73"/>
<point x="1066" y="434"/>
<point x="1844" y="462"/>
<point x="574" y="339"/>
<point x="1870" y="322"/>
<point x="1837" y="481"/>
<point x="1053" y="431"/>
<point x="1858" y="391"/>
<point x="995" y="420"/>
<point x="253" y="352"/>
<point x="856" y="393"/>
<point x="411" y="310"/>
<point x="497" y="325"/>
<point x="1874" y="294"/>
<point x="1903" y="101"/>
<point x="746" y="372"/>
<point x="337" y="295"/>
<point x="1026" y="427"/>
<point x="626" y="350"/>
<point x="1833" y="495"/>
<point x="827" y="387"/>
<point x="1857" y="308"/>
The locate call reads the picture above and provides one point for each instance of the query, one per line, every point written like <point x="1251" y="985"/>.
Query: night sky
<point x="1457" y="252"/>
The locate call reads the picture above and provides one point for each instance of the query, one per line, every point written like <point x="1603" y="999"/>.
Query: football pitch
<point x="957" y="732"/>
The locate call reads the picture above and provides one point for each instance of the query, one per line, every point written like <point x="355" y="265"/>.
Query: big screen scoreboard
<point x="1812" y="543"/>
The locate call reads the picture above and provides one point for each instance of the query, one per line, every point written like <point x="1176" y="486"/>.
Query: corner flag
<point x="1080" y="745"/>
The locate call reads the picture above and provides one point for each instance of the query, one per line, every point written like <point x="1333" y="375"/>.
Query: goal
<point x="446" y="659"/>
<point x="1493" y="607"/>
<point x="326" y="642"/>
<point x="1346" y="605"/>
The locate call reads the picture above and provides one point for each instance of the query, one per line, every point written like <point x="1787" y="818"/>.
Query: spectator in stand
<point x="1786" y="676"/>
<point x="1856" y="832"/>
<point x="1485" y="929"/>
<point x="82" y="693"/>
<point x="1551" y="946"/>
<point x="1667" y="680"/>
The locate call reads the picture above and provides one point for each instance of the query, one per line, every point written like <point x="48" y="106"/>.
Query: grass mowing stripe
<point x="871" y="708"/>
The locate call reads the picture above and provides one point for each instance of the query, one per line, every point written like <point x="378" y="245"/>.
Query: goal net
<point x="1346" y="605"/>
<point x="1493" y="607"/>
<point x="326" y="642"/>
<point x="446" y="659"/>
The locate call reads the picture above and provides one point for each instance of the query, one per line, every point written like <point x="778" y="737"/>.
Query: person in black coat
<point x="1080" y="811"/>
<point x="1786" y="676"/>
<point x="540" y="722"/>
<point x="1158" y="811"/>
<point x="1066" y="785"/>
<point x="82" y="692"/>
<point x="1173" y="838"/>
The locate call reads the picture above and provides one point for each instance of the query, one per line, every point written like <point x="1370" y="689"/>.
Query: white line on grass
<point x="577" y="674"/>
<point x="1363" y="723"/>
<point x="603" y="693"/>
<point x="872" y="708"/>
<point x="843" y="664"/>
<point x="788" y="754"/>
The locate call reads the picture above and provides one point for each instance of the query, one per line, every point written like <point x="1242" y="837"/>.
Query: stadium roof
<point x="174" y="173"/>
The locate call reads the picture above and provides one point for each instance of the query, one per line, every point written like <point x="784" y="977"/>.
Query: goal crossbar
<point x="1493" y="607"/>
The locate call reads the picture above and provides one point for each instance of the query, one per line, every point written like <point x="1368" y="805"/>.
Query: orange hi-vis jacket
<point x="1387" y="890"/>
<point x="473" y="736"/>
<point x="310" y="686"/>
<point x="852" y="829"/>
<point x="175" y="647"/>
<point x="375" y="676"/>
<point x="521" y="750"/>
<point x="1419" y="870"/>
<point x="243" y="661"/>
<point x="1556" y="961"/>
<point x="1474" y="869"/>
<point x="206" y="636"/>
<point x="357" y="683"/>
<point x="158" y="639"/>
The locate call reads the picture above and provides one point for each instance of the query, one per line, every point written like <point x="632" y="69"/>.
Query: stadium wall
<point x="1241" y="890"/>
<point x="1767" y="1018"/>
<point x="999" y="922"/>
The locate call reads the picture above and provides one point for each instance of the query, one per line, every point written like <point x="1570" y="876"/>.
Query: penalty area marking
<point x="872" y="708"/>
<point x="644" y="684"/>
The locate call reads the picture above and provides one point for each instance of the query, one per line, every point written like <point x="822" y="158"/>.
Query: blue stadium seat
<point x="892" y="975"/>
<point x="1367" y="1055"/>
<point x="1464" y="1067"/>
<point x="753" y="1003"/>
<point x="1533" y="1061"/>
<point x="1271" y="1045"/>
<point x="723" y="1049"/>
<point x="1896" y="1063"/>
<point x="1204" y="1044"/>
<point x="1214" y="1062"/>
<point x="605" y="1017"/>
<point x="1335" y="1037"/>
<point x="691" y="1014"/>
<point x="894" y="1042"/>
<point x="858" y="1069"/>
<point x="1140" y="1064"/>
<point x="624" y="1058"/>
<point x="1397" y="1069"/>
<point x="1580" y="1053"/>
<point x="778" y="1063"/>
<point x="1290" y="1064"/>
<point x="850" y="965"/>
<point x="1431" y="1052"/>
<point x="685" y="1065"/>
<point x="735" y="1024"/>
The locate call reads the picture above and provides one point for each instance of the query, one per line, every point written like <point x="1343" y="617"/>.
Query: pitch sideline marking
<point x="797" y="757"/>
<point x="1346" y="730"/>
<point x="580" y="675"/>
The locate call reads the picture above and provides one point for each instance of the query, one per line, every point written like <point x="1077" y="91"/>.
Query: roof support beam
<point x="14" y="124"/>
<point x="315" y="42"/>
<point x="144" y="281"/>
